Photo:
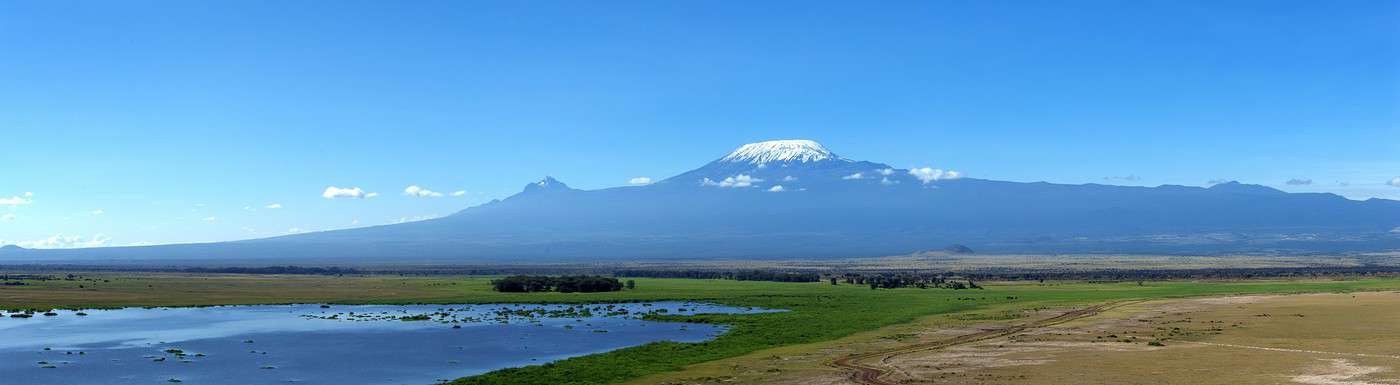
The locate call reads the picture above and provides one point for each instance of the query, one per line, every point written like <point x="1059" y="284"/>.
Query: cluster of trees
<point x="894" y="281"/>
<point x="747" y="275"/>
<point x="274" y="270"/>
<point x="562" y="284"/>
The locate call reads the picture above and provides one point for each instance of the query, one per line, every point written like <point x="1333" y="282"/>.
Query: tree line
<point x="562" y="284"/>
<point x="742" y="275"/>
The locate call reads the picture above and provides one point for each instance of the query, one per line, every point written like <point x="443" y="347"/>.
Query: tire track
<point x="871" y="374"/>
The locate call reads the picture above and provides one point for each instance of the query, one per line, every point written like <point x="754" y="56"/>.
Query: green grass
<point x="821" y="312"/>
<point x="817" y="311"/>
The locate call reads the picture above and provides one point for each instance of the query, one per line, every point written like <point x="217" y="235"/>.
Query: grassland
<point x="818" y="312"/>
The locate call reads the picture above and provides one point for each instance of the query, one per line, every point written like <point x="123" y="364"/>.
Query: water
<point x="281" y="344"/>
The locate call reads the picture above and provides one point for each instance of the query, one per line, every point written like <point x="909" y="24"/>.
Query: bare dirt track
<point x="872" y="374"/>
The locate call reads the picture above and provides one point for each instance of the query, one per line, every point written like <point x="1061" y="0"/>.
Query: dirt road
<point x="870" y="374"/>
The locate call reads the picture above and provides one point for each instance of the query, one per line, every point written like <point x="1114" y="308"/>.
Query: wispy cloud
<point x="1213" y="182"/>
<point x="641" y="180"/>
<point x="789" y="178"/>
<point x="295" y="230"/>
<point x="886" y="171"/>
<point x="273" y="206"/>
<point x="928" y="175"/>
<point x="459" y="193"/>
<point x="854" y="176"/>
<point x="63" y="242"/>
<point x="888" y="181"/>
<point x="1298" y="182"/>
<point x="420" y="192"/>
<point x="98" y="212"/>
<point x="7" y="217"/>
<point x="210" y="219"/>
<point x="333" y="192"/>
<point x="16" y="200"/>
<point x="1124" y="178"/>
<point x="1394" y="182"/>
<point x="741" y="180"/>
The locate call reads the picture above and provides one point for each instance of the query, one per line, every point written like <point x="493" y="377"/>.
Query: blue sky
<point x="183" y="121"/>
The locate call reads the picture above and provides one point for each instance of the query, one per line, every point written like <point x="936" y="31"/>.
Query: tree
<point x="631" y="284"/>
<point x="833" y="281"/>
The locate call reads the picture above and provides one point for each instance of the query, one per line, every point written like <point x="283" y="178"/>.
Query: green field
<point x="817" y="311"/>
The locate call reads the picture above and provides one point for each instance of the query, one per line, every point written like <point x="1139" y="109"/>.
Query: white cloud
<point x="333" y="192"/>
<point x="16" y="201"/>
<point x="416" y="191"/>
<point x="1394" y="182"/>
<point x="98" y="212"/>
<point x="854" y="176"/>
<point x="7" y="217"/>
<point x="295" y="230"/>
<point x="63" y="242"/>
<point x="789" y="178"/>
<point x="28" y="194"/>
<point x="273" y="206"/>
<point x="1298" y="182"/>
<point x="416" y="218"/>
<point x="210" y="219"/>
<point x="741" y="180"/>
<point x="887" y="181"/>
<point x="641" y="180"/>
<point x="887" y="172"/>
<point x="776" y="188"/>
<point x="927" y="174"/>
<point x="459" y="193"/>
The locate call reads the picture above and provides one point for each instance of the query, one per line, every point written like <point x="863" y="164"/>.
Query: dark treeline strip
<point x="1166" y="274"/>
<point x="273" y="270"/>
<point x="746" y="275"/>
<point x="562" y="284"/>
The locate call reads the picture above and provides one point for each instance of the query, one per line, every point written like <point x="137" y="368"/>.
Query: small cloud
<point x="789" y="178"/>
<point x="7" y="217"/>
<point x="1213" y="182"/>
<point x="1394" y="182"/>
<point x="741" y="180"/>
<point x="28" y="194"/>
<point x="1125" y="178"/>
<point x="98" y="212"/>
<point x="295" y="230"/>
<point x="927" y="174"/>
<point x="247" y="208"/>
<point x="776" y="188"/>
<point x="1343" y="184"/>
<point x="66" y="242"/>
<point x="416" y="218"/>
<point x="355" y="221"/>
<point x="853" y="176"/>
<point x="333" y="192"/>
<point x="887" y="181"/>
<point x="16" y="201"/>
<point x="210" y="219"/>
<point x="1298" y="182"/>
<point x="886" y="171"/>
<point x="641" y="180"/>
<point x="459" y="193"/>
<point x="273" y="206"/>
<point x="415" y="191"/>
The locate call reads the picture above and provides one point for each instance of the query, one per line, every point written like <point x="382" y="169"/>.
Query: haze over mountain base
<point x="796" y="199"/>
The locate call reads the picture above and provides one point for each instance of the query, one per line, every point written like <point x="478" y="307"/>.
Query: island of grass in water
<point x="361" y="344"/>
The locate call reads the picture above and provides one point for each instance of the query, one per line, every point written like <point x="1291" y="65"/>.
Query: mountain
<point x="796" y="198"/>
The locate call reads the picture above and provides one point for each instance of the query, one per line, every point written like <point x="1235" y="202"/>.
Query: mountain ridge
<point x="795" y="199"/>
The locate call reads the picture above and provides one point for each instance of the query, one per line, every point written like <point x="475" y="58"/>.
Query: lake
<point x="316" y="344"/>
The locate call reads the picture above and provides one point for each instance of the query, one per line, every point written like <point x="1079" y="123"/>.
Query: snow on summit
<point x="795" y="150"/>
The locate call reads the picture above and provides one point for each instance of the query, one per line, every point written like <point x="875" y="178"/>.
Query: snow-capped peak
<point x="794" y="150"/>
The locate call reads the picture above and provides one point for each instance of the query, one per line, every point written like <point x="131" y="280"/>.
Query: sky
<point x="149" y="122"/>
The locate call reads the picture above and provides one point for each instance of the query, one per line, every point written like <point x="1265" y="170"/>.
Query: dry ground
<point x="1321" y="339"/>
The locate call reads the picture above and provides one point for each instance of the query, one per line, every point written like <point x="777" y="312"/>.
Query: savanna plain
<point x="1331" y="329"/>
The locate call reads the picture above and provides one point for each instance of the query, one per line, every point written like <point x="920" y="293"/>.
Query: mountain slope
<point x="795" y="198"/>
